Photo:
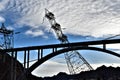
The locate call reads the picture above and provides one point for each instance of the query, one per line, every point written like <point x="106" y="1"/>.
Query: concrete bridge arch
<point x="51" y="55"/>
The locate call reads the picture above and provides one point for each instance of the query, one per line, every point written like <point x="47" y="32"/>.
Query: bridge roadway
<point x="59" y="49"/>
<point x="76" y="44"/>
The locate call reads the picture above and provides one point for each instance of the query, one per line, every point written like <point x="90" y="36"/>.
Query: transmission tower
<point x="75" y="62"/>
<point x="6" y="37"/>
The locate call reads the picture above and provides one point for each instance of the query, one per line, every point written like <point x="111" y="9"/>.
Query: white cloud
<point x="34" y="33"/>
<point x="3" y="3"/>
<point x="114" y="46"/>
<point x="10" y="28"/>
<point x="2" y="19"/>
<point x="80" y="17"/>
<point x="50" y="68"/>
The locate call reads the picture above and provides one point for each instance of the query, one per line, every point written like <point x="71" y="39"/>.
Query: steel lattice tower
<point x="6" y="38"/>
<point x="75" y="62"/>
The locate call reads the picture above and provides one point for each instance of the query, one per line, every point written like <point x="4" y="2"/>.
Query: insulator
<point x="56" y="26"/>
<point x="50" y="16"/>
<point x="4" y="30"/>
<point x="63" y="38"/>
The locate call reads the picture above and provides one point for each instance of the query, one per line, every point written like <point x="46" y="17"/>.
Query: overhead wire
<point x="112" y="37"/>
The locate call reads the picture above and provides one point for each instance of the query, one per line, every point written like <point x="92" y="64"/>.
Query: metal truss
<point x="6" y="37"/>
<point x="75" y="62"/>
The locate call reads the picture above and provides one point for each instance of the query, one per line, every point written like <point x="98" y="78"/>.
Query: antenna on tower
<point x="75" y="62"/>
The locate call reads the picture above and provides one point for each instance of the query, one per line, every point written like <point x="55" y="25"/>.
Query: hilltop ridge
<point x="101" y="73"/>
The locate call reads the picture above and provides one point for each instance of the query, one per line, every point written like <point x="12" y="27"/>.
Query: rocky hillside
<point x="101" y="73"/>
<point x="6" y="71"/>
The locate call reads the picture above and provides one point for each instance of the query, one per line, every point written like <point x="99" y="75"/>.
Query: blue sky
<point x="83" y="20"/>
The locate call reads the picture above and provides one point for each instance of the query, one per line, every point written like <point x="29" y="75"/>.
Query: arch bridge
<point x="57" y="49"/>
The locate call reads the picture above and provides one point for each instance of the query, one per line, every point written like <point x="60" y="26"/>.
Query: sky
<point x="81" y="20"/>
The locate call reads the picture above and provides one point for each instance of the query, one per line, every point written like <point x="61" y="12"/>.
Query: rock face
<point x="11" y="69"/>
<point x="7" y="71"/>
<point x="101" y="73"/>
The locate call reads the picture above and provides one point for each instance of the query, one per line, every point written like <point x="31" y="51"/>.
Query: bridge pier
<point x="104" y="46"/>
<point x="24" y="59"/>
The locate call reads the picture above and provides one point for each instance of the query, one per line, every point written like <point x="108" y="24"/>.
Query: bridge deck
<point x="65" y="45"/>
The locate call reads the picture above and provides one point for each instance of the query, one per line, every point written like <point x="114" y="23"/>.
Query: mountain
<point x="101" y="73"/>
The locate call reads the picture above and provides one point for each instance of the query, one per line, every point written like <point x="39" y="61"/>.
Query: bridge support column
<point x="104" y="46"/>
<point x="41" y="53"/>
<point x="54" y="50"/>
<point x="28" y="57"/>
<point x="38" y="54"/>
<point x="24" y="59"/>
